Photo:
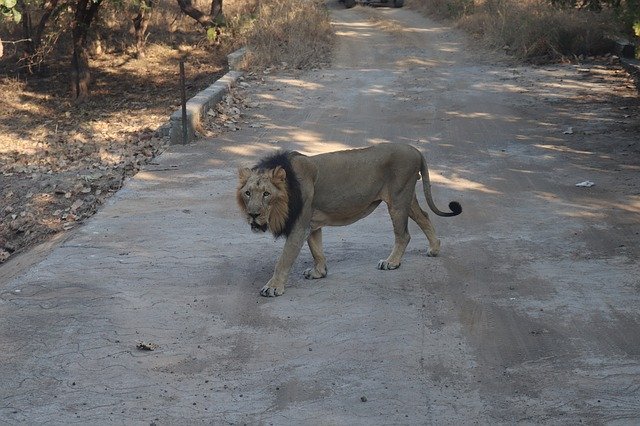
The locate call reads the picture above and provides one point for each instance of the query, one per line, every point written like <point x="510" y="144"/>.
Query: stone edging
<point x="201" y="102"/>
<point x="633" y="68"/>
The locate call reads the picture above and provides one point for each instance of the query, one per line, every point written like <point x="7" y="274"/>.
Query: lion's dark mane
<point x="283" y="159"/>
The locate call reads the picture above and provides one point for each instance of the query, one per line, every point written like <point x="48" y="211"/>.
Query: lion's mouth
<point x="256" y="227"/>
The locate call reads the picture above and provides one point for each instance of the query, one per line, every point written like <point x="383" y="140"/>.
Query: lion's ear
<point x="243" y="174"/>
<point x="278" y="175"/>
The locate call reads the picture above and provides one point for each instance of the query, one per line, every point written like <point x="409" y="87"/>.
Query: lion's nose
<point x="254" y="215"/>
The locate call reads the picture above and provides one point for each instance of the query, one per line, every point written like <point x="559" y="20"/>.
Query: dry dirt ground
<point x="59" y="161"/>
<point x="529" y="315"/>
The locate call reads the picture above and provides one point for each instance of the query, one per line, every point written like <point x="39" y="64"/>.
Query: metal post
<point x="184" y="103"/>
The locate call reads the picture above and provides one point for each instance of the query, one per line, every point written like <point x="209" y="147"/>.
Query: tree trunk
<point x="85" y="11"/>
<point x="80" y="73"/>
<point x="49" y="9"/>
<point x="140" y="24"/>
<point x="216" y="10"/>
<point x="206" y="21"/>
<point x="34" y="55"/>
<point x="26" y="26"/>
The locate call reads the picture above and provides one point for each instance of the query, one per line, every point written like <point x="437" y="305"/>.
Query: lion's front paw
<point x="268" y="291"/>
<point x="386" y="265"/>
<point x="314" y="273"/>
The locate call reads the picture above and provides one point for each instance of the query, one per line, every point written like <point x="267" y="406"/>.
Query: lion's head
<point x="263" y="197"/>
<point x="269" y="194"/>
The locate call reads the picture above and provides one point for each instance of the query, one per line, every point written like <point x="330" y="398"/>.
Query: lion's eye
<point x="266" y="194"/>
<point x="247" y="193"/>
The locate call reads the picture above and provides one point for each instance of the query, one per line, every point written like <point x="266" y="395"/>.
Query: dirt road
<point x="530" y="314"/>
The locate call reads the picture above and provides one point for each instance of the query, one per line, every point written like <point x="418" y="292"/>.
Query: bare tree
<point x="34" y="32"/>
<point x="140" y="24"/>
<point x="210" y="20"/>
<point x="8" y="9"/>
<point x="48" y="10"/>
<point x="85" y="12"/>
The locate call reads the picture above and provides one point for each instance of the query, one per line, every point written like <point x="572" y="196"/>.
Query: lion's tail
<point x="454" y="206"/>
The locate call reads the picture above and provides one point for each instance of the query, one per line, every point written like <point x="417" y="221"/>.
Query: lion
<point x="295" y="196"/>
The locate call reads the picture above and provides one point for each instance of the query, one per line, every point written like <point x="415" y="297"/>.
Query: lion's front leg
<point x="272" y="289"/>
<point x="275" y="286"/>
<point x="319" y="269"/>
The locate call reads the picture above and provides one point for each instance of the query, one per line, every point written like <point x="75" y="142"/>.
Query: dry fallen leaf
<point x="147" y="346"/>
<point x="76" y="205"/>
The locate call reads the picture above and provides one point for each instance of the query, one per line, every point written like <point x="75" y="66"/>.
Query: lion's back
<point x="362" y="173"/>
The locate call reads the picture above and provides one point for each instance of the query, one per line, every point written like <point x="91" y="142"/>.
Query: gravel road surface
<point x="530" y="314"/>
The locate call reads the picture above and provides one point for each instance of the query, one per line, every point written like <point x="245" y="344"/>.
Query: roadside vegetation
<point x="542" y="30"/>
<point x="293" y="34"/>
<point x="70" y="135"/>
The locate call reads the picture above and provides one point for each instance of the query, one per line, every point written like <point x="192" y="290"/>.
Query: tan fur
<point x="275" y="211"/>
<point x="279" y="205"/>
<point x="339" y="188"/>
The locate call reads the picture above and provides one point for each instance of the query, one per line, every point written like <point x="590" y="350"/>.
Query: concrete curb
<point x="200" y="103"/>
<point x="235" y="59"/>
<point x="633" y="68"/>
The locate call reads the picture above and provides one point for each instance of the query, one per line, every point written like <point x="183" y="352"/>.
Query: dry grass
<point x="296" y="34"/>
<point x="447" y="9"/>
<point x="531" y="30"/>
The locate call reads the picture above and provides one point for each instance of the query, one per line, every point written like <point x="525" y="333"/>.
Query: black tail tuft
<point x="455" y="208"/>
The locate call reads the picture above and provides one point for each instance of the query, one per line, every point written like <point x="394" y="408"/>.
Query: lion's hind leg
<point x="421" y="217"/>
<point x="400" y="218"/>
<point x="319" y="269"/>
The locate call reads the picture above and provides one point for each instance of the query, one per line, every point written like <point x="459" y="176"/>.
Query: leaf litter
<point x="59" y="162"/>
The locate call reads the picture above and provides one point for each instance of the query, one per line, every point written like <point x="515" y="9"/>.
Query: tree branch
<point x="190" y="10"/>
